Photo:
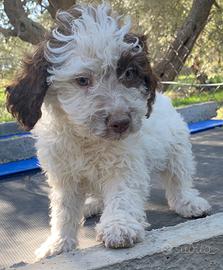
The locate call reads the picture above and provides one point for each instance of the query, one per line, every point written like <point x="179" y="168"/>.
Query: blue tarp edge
<point x="19" y="166"/>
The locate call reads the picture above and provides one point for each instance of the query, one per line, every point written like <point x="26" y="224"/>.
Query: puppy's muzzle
<point x="119" y="122"/>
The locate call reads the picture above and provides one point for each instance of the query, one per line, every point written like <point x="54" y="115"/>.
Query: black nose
<point x="119" y="125"/>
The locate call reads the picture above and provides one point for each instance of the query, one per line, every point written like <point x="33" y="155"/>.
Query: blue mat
<point x="31" y="164"/>
<point x="19" y="166"/>
<point x="2" y="137"/>
<point x="204" y="125"/>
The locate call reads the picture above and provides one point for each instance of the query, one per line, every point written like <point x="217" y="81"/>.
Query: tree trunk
<point x="24" y="27"/>
<point x="169" y="67"/>
<point x="54" y="5"/>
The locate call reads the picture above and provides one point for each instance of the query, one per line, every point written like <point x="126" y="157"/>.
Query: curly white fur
<point x="80" y="159"/>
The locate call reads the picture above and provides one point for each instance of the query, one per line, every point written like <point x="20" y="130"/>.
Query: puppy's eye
<point x="130" y="74"/>
<point x="83" y="81"/>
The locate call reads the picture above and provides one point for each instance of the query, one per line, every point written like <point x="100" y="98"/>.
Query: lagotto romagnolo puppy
<point x="102" y="130"/>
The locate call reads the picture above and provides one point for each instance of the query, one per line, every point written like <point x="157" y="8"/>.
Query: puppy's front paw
<point x="119" y="234"/>
<point x="54" y="247"/>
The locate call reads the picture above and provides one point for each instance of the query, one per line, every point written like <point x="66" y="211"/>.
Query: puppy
<point x="88" y="93"/>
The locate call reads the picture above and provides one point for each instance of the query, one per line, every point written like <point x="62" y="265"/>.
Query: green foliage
<point x="4" y="115"/>
<point x="198" y="98"/>
<point x="158" y="19"/>
<point x="216" y="79"/>
<point x="220" y="113"/>
<point x="12" y="51"/>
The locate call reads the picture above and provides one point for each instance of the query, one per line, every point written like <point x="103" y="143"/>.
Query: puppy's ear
<point x="151" y="80"/>
<point x="25" y="96"/>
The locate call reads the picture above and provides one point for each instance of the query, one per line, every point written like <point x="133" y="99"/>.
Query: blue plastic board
<point x="19" y="166"/>
<point x="204" y="125"/>
<point x="14" y="135"/>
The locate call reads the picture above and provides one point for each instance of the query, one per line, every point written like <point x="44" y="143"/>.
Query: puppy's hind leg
<point x="178" y="181"/>
<point x="93" y="206"/>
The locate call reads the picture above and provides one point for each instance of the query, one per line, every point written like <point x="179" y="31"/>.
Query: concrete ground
<point x="24" y="211"/>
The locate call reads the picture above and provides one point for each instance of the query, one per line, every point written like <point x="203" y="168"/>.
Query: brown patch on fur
<point x="140" y="68"/>
<point x="131" y="38"/>
<point x="25" y="96"/>
<point x="137" y="64"/>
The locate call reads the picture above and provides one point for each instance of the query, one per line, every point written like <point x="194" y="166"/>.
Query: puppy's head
<point x="97" y="70"/>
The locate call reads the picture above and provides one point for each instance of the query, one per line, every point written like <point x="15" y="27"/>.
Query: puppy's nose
<point x="119" y="124"/>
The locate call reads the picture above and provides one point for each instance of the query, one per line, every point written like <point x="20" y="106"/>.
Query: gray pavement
<point x="24" y="205"/>
<point x="203" y="255"/>
<point x="16" y="148"/>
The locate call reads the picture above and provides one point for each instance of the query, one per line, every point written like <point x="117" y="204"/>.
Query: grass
<point x="216" y="96"/>
<point x="220" y="113"/>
